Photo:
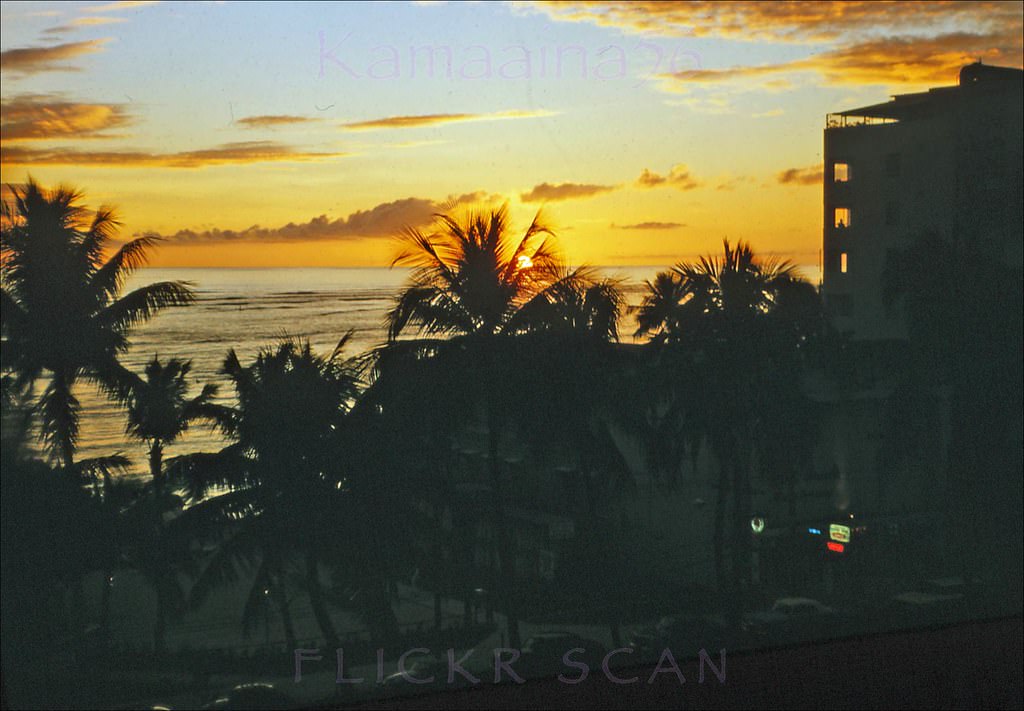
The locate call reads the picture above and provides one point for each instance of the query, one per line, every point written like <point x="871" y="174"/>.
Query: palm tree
<point x="63" y="312"/>
<point x="59" y="524"/>
<point x="737" y="321"/>
<point x="159" y="411"/>
<point x="476" y="287"/>
<point x="571" y="381"/>
<point x="286" y="489"/>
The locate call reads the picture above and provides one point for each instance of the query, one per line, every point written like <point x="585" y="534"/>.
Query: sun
<point x="523" y="262"/>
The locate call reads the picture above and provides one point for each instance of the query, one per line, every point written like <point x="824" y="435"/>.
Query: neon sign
<point x="839" y="532"/>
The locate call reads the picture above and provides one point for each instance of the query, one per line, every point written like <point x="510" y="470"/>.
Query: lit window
<point x="842" y="217"/>
<point x="841" y="172"/>
<point x="842" y="263"/>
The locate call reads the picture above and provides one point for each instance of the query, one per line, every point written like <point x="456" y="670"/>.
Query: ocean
<point x="248" y="309"/>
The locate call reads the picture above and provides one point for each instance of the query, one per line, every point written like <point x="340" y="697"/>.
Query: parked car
<point x="253" y="696"/>
<point x="791" y="619"/>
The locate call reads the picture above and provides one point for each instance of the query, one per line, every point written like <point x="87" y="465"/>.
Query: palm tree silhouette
<point x="733" y="324"/>
<point x="59" y="524"/>
<point x="159" y="412"/>
<point x="476" y="286"/>
<point x="572" y="382"/>
<point x="63" y="312"/>
<point x="284" y="489"/>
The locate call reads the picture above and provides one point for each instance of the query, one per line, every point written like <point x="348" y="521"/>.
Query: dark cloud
<point x="384" y="220"/>
<point x="811" y="175"/>
<point x="548" y="192"/>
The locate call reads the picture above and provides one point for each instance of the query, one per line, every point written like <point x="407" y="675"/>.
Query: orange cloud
<point x="229" y="153"/>
<point x="33" y="60"/>
<point x="811" y="175"/>
<point x="84" y="22"/>
<point x="272" y="121"/>
<point x="885" y="60"/>
<point x="752" y="20"/>
<point x="384" y="220"/>
<point x="435" y="119"/>
<point x="42" y="117"/>
<point x="678" y="177"/>
<point x="563" y="191"/>
<point x="124" y="5"/>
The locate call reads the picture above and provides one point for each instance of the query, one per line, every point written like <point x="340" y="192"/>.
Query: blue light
<point x="814" y="531"/>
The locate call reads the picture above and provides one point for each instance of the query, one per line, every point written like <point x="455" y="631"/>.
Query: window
<point x="842" y="217"/>
<point x="892" y="213"/>
<point x="841" y="172"/>
<point x="892" y="165"/>
<point x="843" y="261"/>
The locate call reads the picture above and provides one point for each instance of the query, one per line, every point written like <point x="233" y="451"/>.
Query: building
<point x="947" y="160"/>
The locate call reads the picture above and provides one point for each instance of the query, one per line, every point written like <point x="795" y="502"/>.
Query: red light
<point x="836" y="547"/>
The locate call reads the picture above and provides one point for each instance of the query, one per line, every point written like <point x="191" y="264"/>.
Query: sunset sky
<point x="309" y="134"/>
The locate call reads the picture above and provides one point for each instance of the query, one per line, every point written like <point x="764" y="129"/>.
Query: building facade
<point x="946" y="161"/>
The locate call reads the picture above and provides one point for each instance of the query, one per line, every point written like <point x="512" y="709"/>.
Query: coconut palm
<point x="285" y="492"/>
<point x="63" y="312"/>
<point x="738" y="322"/>
<point x="159" y="412"/>
<point x="474" y="286"/>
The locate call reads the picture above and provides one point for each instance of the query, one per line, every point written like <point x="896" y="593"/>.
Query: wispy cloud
<point x="34" y="60"/>
<point x="273" y="121"/>
<point x="903" y="60"/>
<point x="43" y="116"/>
<point x="226" y="154"/>
<point x="118" y="6"/>
<point x="679" y="177"/>
<point x="811" y="175"/>
<point x="650" y="226"/>
<point x="387" y="219"/>
<point x="416" y="121"/>
<point x="417" y="144"/>
<point x="548" y="192"/>
<point x="84" y="22"/>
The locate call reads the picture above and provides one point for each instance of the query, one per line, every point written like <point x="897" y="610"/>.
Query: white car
<point x="801" y="607"/>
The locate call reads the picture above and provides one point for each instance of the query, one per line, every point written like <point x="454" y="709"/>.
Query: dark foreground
<point x="975" y="665"/>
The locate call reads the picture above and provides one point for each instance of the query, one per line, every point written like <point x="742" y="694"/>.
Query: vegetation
<point x="502" y="390"/>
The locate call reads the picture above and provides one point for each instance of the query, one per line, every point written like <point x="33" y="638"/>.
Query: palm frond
<point x="109" y="279"/>
<point x="143" y="303"/>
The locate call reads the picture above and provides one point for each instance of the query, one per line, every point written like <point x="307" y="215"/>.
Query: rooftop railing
<point x="845" y="121"/>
